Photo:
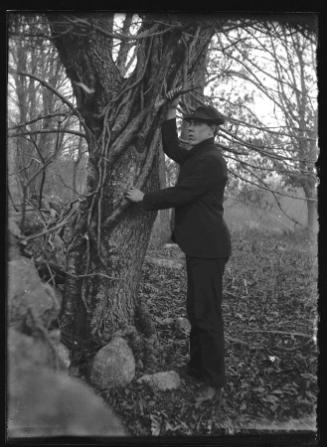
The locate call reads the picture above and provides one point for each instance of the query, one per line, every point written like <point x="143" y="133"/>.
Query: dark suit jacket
<point x="198" y="196"/>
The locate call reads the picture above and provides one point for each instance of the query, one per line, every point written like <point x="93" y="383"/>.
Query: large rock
<point x="113" y="365"/>
<point x="28" y="295"/>
<point x="163" y="381"/>
<point x="43" y="402"/>
<point x="25" y="351"/>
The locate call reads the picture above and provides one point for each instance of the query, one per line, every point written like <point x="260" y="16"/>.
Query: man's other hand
<point x="134" y="195"/>
<point x="173" y="97"/>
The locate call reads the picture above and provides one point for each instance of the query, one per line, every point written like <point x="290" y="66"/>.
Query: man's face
<point x="198" y="131"/>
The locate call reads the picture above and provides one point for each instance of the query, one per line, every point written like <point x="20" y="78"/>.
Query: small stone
<point x="167" y="321"/>
<point x="183" y="325"/>
<point x="171" y="245"/>
<point x="163" y="381"/>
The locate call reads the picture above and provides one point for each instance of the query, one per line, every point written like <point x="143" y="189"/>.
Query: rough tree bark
<point x="161" y="231"/>
<point x="122" y="125"/>
<point x="309" y="188"/>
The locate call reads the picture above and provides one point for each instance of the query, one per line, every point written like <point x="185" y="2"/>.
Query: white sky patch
<point x="118" y="24"/>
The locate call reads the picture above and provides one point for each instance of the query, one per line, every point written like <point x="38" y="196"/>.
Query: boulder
<point x="25" y="351"/>
<point x="113" y="365"/>
<point x="43" y="402"/>
<point x="28" y="295"/>
<point x="163" y="381"/>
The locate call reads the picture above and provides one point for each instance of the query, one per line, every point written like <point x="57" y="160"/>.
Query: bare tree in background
<point x="37" y="118"/>
<point x="280" y="64"/>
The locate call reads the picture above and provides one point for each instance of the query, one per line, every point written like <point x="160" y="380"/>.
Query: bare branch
<point x="116" y="35"/>
<point x="44" y="131"/>
<point x="39" y="118"/>
<point x="267" y="188"/>
<point x="260" y="149"/>
<point x="268" y="128"/>
<point x="55" y="91"/>
<point x="297" y="334"/>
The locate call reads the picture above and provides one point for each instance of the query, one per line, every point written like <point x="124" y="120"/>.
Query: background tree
<point x="38" y="118"/>
<point x="279" y="64"/>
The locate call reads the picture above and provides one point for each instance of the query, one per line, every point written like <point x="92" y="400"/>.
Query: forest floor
<point x="270" y="319"/>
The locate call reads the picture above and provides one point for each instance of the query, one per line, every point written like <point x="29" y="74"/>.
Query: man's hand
<point x="173" y="97"/>
<point x="134" y="195"/>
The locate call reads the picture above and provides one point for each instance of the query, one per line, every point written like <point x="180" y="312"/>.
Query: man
<point x="201" y="233"/>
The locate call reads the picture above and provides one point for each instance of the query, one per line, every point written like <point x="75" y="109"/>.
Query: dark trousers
<point x="204" y="298"/>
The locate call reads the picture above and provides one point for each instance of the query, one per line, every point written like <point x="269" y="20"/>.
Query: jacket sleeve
<point x="206" y="175"/>
<point x="170" y="142"/>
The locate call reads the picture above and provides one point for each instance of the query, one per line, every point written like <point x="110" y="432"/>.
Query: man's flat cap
<point x="206" y="113"/>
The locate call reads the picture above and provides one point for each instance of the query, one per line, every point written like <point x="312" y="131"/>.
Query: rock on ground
<point x="113" y="365"/>
<point x="163" y="381"/>
<point x="28" y="294"/>
<point x="43" y="402"/>
<point x="25" y="351"/>
<point x="183" y="325"/>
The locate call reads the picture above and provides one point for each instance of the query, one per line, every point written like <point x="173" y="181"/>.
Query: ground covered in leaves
<point x="270" y="319"/>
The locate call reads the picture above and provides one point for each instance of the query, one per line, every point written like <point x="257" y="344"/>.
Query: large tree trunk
<point x="122" y="124"/>
<point x="161" y="232"/>
<point x="312" y="218"/>
<point x="312" y="215"/>
<point x="309" y="150"/>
